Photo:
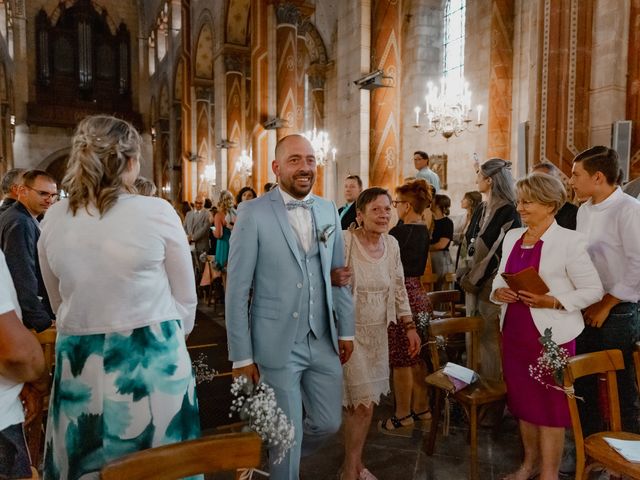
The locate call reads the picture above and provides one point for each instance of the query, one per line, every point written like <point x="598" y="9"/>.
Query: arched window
<point x="454" y="21"/>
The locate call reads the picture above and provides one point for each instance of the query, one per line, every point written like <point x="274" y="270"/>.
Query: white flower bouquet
<point x="551" y="363"/>
<point x="257" y="405"/>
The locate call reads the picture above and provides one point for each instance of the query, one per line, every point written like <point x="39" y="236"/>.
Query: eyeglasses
<point x="395" y="203"/>
<point x="44" y="195"/>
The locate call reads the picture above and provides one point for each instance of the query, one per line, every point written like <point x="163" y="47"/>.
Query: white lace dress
<point x="379" y="297"/>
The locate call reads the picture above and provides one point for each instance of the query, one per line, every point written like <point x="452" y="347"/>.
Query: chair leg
<point x="435" y="423"/>
<point x="473" y="437"/>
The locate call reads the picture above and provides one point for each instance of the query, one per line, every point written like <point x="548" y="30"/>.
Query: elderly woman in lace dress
<point x="380" y="298"/>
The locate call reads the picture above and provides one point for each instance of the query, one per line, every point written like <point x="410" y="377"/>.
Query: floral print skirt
<point x="115" y="394"/>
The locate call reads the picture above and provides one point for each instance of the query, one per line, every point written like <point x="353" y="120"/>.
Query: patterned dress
<point x="379" y="298"/>
<point x="115" y="394"/>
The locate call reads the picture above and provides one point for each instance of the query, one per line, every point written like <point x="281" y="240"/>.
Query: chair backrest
<point x="444" y="327"/>
<point x="446" y="299"/>
<point x="47" y="340"/>
<point x="211" y="454"/>
<point x="604" y="364"/>
<point x="428" y="280"/>
<point x="636" y="363"/>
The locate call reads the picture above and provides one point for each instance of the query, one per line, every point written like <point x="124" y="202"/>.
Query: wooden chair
<point x="636" y="363"/>
<point x="444" y="302"/>
<point x="34" y="429"/>
<point x="428" y="281"/>
<point x="594" y="450"/>
<point x="476" y="397"/>
<point x="210" y="454"/>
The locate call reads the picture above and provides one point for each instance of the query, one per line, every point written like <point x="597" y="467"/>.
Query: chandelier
<point x="448" y="109"/>
<point x="210" y="174"/>
<point x="321" y="145"/>
<point x="244" y="164"/>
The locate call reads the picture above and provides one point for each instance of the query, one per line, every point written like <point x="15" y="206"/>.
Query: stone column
<point x="564" y="82"/>
<point x="234" y="65"/>
<point x="317" y="82"/>
<point x="384" y="142"/>
<point x="189" y="177"/>
<point x="501" y="78"/>
<point x="633" y="87"/>
<point x="259" y="92"/>
<point x="287" y="53"/>
<point x="301" y="71"/>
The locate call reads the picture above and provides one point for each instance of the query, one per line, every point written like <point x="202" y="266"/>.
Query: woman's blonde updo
<point x="100" y="152"/>
<point x="225" y="203"/>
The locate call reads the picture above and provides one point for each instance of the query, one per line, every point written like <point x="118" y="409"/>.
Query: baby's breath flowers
<point x="202" y="371"/>
<point x="551" y="363"/>
<point x="257" y="405"/>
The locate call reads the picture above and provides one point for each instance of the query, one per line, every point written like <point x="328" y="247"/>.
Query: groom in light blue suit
<point x="296" y="329"/>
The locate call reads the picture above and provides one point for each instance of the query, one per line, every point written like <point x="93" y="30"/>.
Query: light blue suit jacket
<point x="264" y="254"/>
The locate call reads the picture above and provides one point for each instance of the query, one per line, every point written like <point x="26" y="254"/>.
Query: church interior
<point x="212" y="85"/>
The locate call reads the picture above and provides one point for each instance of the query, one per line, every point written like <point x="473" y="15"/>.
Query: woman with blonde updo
<point x="118" y="271"/>
<point x="223" y="224"/>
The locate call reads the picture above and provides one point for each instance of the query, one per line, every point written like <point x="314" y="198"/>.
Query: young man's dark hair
<point x="422" y="154"/>
<point x="600" y="159"/>
<point x="356" y="178"/>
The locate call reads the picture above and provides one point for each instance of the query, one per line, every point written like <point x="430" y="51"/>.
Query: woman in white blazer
<point x="561" y="259"/>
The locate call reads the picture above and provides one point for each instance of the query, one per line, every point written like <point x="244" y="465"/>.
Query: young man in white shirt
<point x="21" y="360"/>
<point x="611" y="221"/>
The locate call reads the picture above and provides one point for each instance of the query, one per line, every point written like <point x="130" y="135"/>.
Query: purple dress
<point x="528" y="399"/>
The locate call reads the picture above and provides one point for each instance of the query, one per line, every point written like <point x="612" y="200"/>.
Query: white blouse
<point x="129" y="269"/>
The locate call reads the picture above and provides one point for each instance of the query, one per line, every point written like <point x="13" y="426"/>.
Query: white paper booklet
<point x="629" y="449"/>
<point x="464" y="374"/>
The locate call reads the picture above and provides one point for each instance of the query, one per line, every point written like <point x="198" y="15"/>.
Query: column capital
<point x="287" y="13"/>
<point x="236" y="62"/>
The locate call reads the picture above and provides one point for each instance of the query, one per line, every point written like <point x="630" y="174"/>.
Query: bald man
<point x="297" y="329"/>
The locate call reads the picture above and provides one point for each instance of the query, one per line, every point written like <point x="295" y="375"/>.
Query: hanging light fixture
<point x="448" y="109"/>
<point x="210" y="173"/>
<point x="321" y="145"/>
<point x="244" y="164"/>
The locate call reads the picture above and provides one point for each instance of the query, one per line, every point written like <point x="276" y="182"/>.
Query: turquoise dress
<point x="222" y="249"/>
<point x="115" y="394"/>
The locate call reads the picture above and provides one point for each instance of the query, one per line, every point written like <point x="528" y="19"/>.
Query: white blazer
<point x="566" y="268"/>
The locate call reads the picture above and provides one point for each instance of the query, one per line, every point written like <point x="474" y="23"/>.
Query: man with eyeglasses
<point x="19" y="233"/>
<point x="197" y="225"/>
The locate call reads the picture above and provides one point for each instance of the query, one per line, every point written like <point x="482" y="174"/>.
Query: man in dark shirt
<point x="566" y="216"/>
<point x="19" y="233"/>
<point x="10" y="183"/>
<point x="352" y="188"/>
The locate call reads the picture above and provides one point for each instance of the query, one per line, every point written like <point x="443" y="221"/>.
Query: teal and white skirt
<point x="115" y="394"/>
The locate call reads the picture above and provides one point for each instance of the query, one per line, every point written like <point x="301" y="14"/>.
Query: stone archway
<point x="55" y="164"/>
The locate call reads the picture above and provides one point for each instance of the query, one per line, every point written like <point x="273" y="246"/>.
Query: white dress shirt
<point x="11" y="411"/>
<point x="129" y="269"/>
<point x="300" y="220"/>
<point x="612" y="228"/>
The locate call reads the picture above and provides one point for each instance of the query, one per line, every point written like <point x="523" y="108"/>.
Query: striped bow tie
<point x="292" y="204"/>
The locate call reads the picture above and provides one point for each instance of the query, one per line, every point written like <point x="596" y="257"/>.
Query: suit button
<point x="299" y="285"/>
<point x="295" y="314"/>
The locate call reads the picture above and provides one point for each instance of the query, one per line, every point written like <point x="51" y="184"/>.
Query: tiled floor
<point x="398" y="457"/>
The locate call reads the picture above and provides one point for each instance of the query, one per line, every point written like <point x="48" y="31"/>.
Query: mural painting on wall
<point x="438" y="163"/>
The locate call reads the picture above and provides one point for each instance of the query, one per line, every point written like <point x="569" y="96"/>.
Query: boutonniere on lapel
<point x="325" y="233"/>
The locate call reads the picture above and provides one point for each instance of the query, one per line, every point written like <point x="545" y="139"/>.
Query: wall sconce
<point x="154" y="135"/>
<point x="12" y="125"/>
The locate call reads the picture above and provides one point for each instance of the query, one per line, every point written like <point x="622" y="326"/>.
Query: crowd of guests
<point x="323" y="304"/>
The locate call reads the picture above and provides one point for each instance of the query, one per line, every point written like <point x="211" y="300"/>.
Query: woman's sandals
<point x="404" y="424"/>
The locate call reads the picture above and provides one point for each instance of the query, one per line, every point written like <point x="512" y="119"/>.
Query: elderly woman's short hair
<point x="542" y="188"/>
<point x="369" y="195"/>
